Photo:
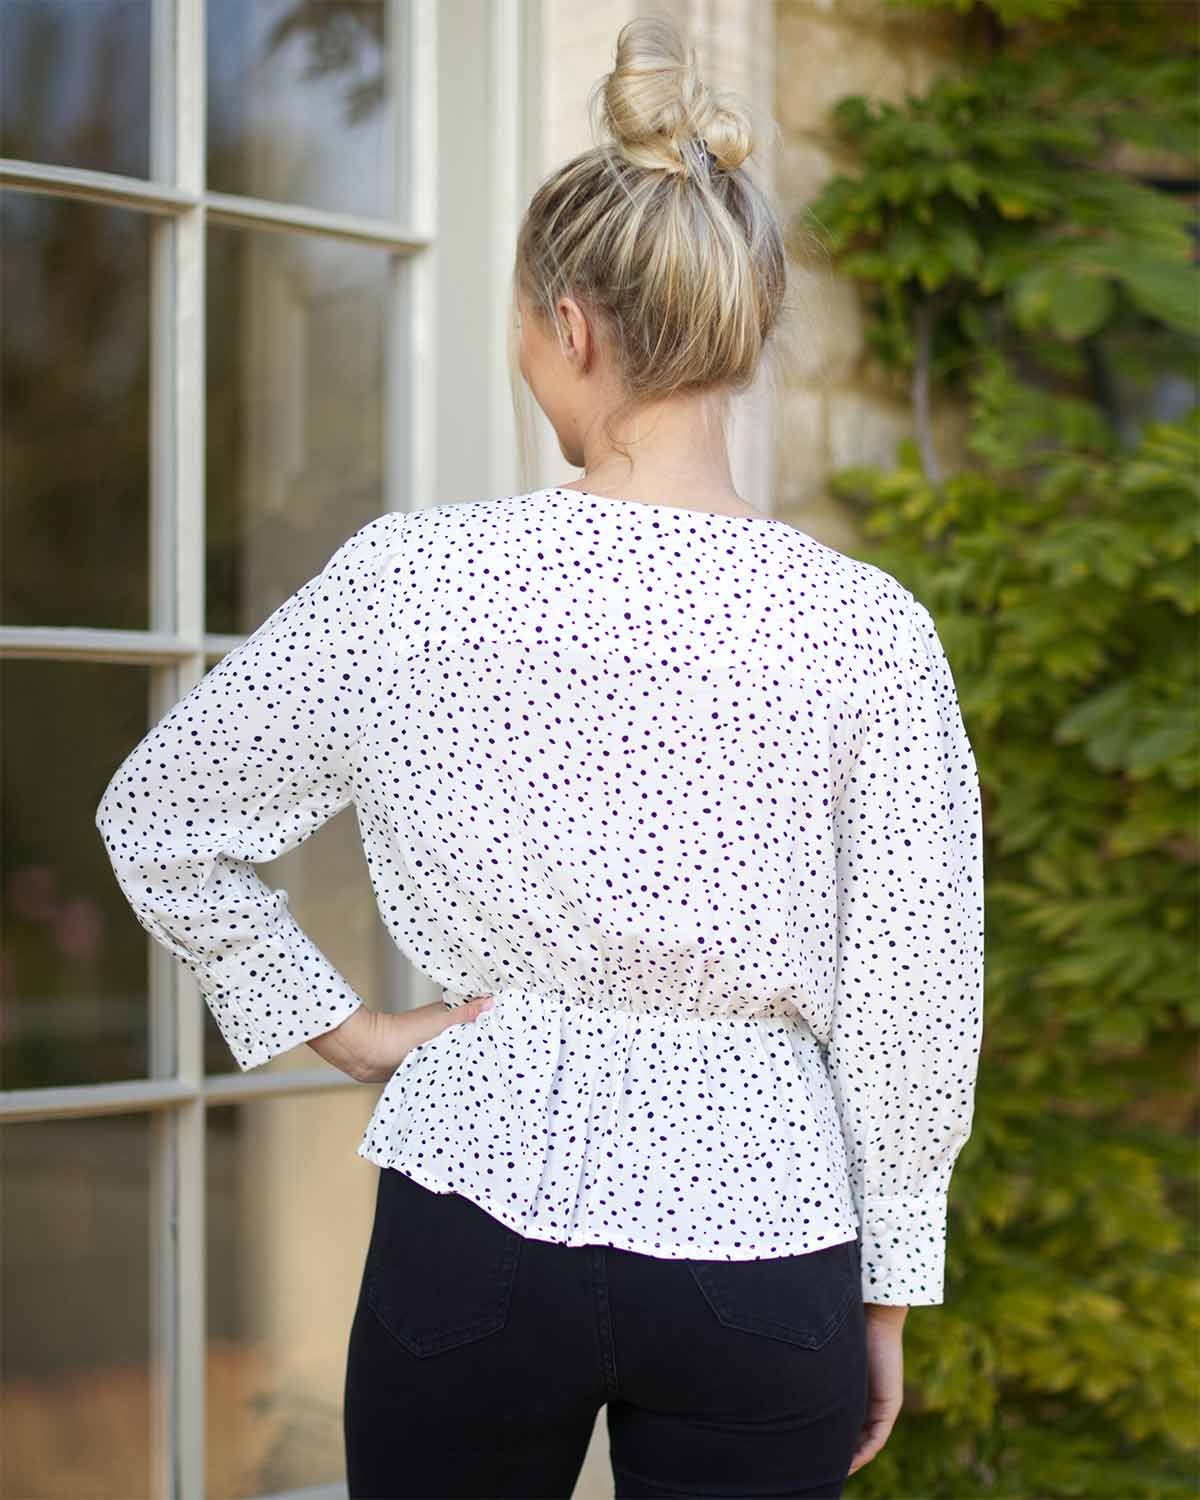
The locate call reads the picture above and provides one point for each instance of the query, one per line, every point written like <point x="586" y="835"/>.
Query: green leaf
<point x="1170" y="293"/>
<point x="1079" y="305"/>
<point x="966" y="181"/>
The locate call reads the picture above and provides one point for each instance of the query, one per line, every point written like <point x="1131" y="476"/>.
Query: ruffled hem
<point x="674" y="1136"/>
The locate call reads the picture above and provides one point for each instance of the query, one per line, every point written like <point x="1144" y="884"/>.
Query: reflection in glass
<point x="289" y="1218"/>
<point x="75" y="83"/>
<point x="295" y="412"/>
<point x="298" y="103"/>
<point x="74" y="391"/>
<point x="73" y="958"/>
<point x="75" y="1282"/>
<point x="329" y="893"/>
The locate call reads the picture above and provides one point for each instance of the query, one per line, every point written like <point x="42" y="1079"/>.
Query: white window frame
<point x="175" y="648"/>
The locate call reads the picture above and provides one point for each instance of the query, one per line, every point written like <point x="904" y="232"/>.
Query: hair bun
<point x="660" y="112"/>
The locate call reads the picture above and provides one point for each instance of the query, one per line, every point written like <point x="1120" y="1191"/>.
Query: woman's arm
<point x="246" y="766"/>
<point x="908" y="1010"/>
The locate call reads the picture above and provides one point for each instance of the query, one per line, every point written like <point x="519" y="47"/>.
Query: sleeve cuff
<point x="276" y="996"/>
<point x="904" y="1250"/>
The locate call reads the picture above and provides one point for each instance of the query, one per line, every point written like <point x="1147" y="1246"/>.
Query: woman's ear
<point x="578" y="340"/>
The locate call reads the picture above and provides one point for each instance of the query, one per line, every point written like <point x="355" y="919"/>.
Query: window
<point x="217" y="222"/>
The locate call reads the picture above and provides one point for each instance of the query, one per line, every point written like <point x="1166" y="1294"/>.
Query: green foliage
<point x="996" y="191"/>
<point x="1003" y="254"/>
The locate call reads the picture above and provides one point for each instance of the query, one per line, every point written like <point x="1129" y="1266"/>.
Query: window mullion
<point x="410" y="342"/>
<point x="177" y="559"/>
<point x="504" y="143"/>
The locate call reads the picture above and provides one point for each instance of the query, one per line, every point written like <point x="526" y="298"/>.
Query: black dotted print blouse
<point x="690" y="794"/>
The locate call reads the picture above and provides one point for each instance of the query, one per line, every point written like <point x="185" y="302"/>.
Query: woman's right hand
<point x="396" y="1033"/>
<point x="885" y="1379"/>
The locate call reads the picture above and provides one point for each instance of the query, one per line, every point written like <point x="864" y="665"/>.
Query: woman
<point x="677" y="806"/>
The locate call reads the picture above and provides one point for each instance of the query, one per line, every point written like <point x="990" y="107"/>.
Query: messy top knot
<point x="659" y="230"/>
<point x="660" y="112"/>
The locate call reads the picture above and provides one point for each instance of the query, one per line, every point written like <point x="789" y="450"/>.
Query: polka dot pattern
<point x="689" y="793"/>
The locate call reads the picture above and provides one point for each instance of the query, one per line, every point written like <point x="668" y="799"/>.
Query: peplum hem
<point x="678" y="1136"/>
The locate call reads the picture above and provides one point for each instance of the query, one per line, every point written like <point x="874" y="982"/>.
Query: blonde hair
<point x="681" y="266"/>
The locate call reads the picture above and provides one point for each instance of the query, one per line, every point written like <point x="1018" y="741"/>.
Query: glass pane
<point x="289" y="1219"/>
<point x="74" y="390"/>
<point x="73" y="958"/>
<point x="75" y="83"/>
<point x="295" y="412"/>
<point x="329" y="893"/>
<point x="299" y="104"/>
<point x="75" y="1359"/>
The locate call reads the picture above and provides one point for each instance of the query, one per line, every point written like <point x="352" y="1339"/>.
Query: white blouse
<point x="689" y="793"/>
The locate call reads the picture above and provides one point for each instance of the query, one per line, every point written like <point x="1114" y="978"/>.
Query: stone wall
<point x="835" y="406"/>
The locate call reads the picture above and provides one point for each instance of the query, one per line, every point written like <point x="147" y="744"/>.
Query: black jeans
<point x="479" y="1360"/>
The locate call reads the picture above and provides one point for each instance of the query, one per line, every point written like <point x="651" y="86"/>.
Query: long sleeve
<point x="908" y="1003"/>
<point x="246" y="766"/>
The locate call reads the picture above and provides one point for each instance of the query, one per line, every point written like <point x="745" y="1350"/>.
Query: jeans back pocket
<point x="802" y="1299"/>
<point x="440" y="1271"/>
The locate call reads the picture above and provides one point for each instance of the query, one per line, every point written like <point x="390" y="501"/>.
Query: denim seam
<point x="604" y="1326"/>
